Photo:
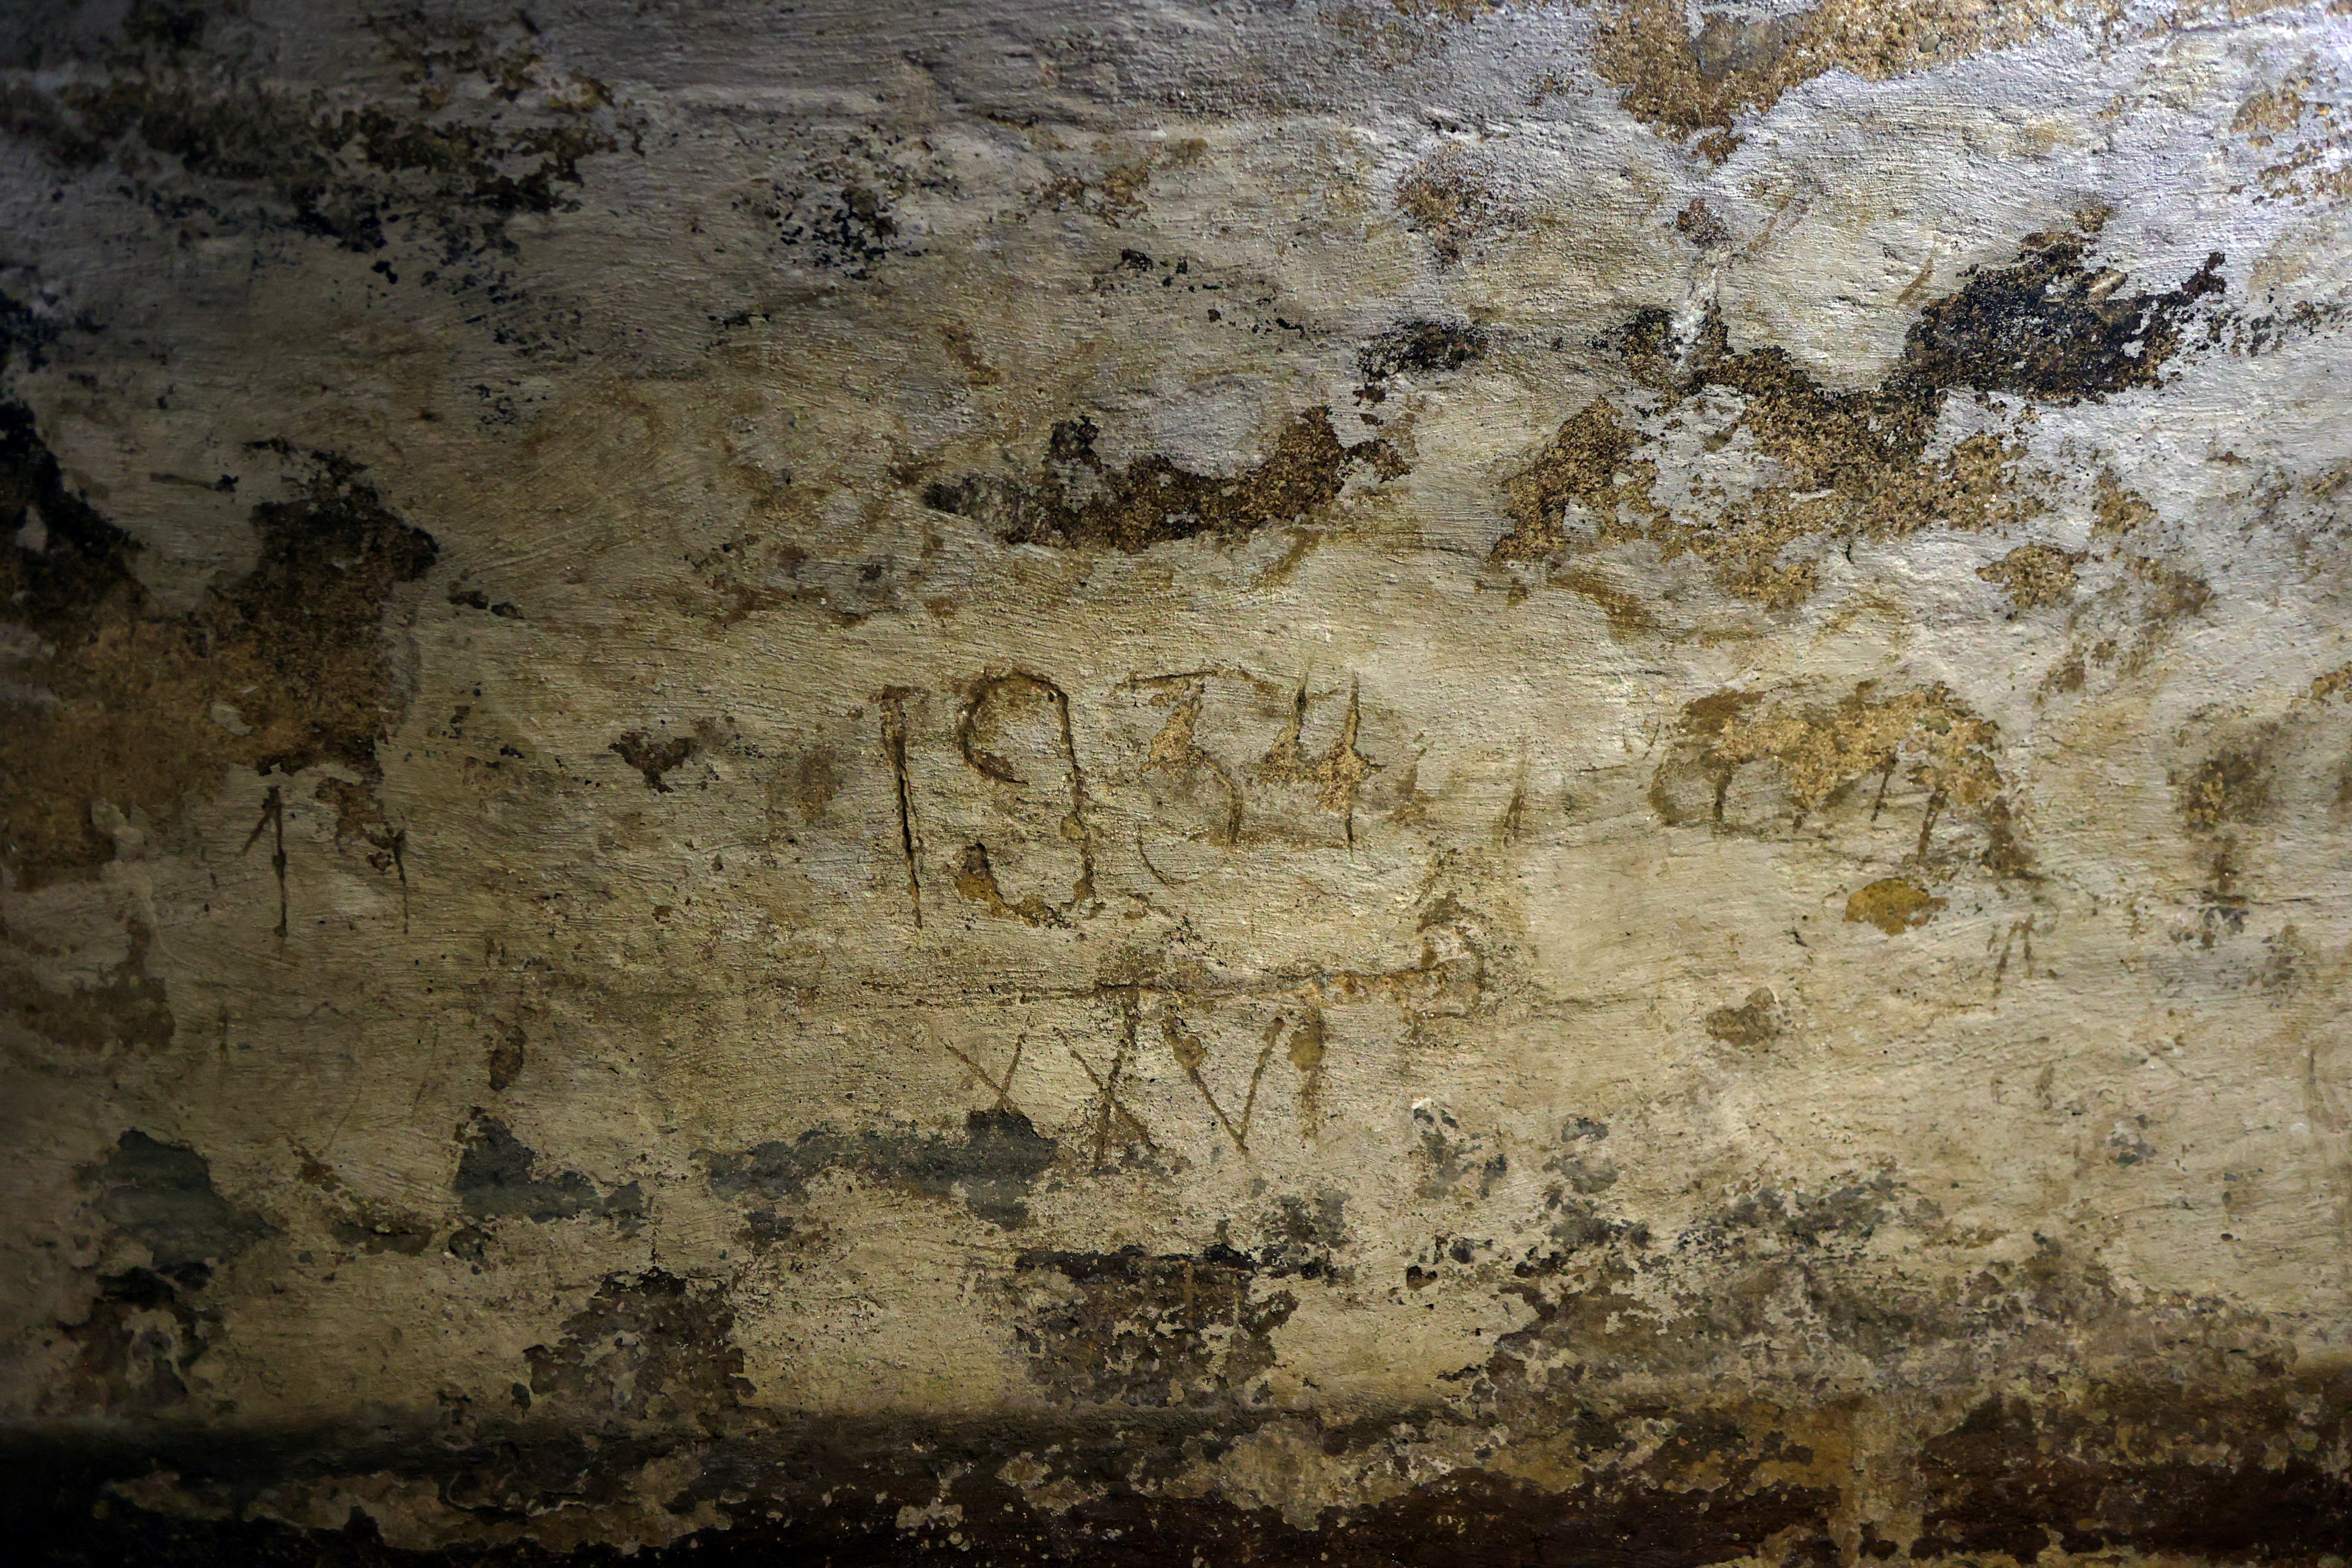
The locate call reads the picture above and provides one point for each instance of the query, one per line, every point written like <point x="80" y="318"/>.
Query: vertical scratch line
<point x="1264" y="1054"/>
<point x="1927" y="824"/>
<point x="1086" y="886"/>
<point x="894" y="745"/>
<point x="273" y="815"/>
<point x="399" y="847"/>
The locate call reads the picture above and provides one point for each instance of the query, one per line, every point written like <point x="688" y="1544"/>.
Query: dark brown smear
<point x="128" y="1010"/>
<point x="1077" y="501"/>
<point x="508" y="1055"/>
<point x="653" y="758"/>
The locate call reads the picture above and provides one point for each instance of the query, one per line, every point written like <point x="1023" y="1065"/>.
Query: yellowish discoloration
<point x="1892" y="905"/>
<point x="2035" y="574"/>
<point x="1740" y="62"/>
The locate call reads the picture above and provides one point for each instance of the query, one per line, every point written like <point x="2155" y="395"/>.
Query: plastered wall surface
<point x="1386" y="781"/>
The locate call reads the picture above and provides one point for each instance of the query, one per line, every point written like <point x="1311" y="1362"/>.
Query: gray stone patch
<point x="991" y="1168"/>
<point x="499" y="1176"/>
<point x="163" y="1194"/>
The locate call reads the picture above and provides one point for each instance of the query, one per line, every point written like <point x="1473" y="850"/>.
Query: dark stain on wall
<point x="849" y="228"/>
<point x="2048" y="328"/>
<point x="81" y="559"/>
<point x="1077" y="501"/>
<point x="2144" y="1471"/>
<point x="147" y="1324"/>
<point x="307" y="613"/>
<point x="498" y="1177"/>
<point x="1422" y="346"/>
<point x="1306" y="1237"/>
<point x="654" y="758"/>
<point x="1452" y="1160"/>
<point x="162" y="1195"/>
<point x="2240" y="1476"/>
<point x="143" y="1331"/>
<point x="343" y="173"/>
<point x="127" y="1010"/>
<point x="991" y="1168"/>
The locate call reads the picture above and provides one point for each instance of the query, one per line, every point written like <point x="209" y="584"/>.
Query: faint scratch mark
<point x="2017" y="928"/>
<point x="1002" y="1088"/>
<point x="1178" y="750"/>
<point x="1340" y="771"/>
<point x="273" y="815"/>
<point x="1307" y="1041"/>
<point x="1190" y="1054"/>
<point x="1927" y="824"/>
<point x="1107" y="1085"/>
<point x="990" y="765"/>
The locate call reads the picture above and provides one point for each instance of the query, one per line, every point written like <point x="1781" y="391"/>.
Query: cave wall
<point x="1380" y="781"/>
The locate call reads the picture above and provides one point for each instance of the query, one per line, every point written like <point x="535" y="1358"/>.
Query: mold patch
<point x="1742" y="59"/>
<point x="1892" y="905"/>
<point x="2034" y="575"/>
<point x="1458" y="198"/>
<point x="1804" y="466"/>
<point x="2230" y="787"/>
<point x="1755" y="1022"/>
<point x="203" y="138"/>
<point x="648" y="1348"/>
<point x="1130" y="1328"/>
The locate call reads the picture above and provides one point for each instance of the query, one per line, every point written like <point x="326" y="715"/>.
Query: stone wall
<point x="1358" y="782"/>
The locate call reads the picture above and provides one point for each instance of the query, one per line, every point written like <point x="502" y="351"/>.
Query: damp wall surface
<point x="1380" y="782"/>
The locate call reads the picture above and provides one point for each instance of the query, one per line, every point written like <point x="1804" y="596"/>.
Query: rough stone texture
<point x="1360" y="781"/>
